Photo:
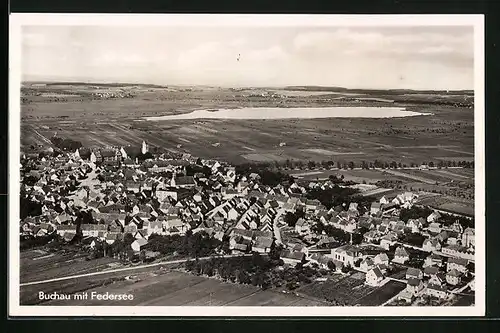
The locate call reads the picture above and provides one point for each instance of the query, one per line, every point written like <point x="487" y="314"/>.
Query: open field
<point x="156" y="287"/>
<point x="36" y="265"/>
<point x="113" y="121"/>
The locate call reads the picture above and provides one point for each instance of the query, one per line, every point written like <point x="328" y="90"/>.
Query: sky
<point x="439" y="58"/>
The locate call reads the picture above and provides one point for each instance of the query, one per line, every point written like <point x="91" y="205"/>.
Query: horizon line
<point x="163" y="85"/>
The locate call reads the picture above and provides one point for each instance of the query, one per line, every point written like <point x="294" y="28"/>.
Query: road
<point x="125" y="269"/>
<point x="276" y="229"/>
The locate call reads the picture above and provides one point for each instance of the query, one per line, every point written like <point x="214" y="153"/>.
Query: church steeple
<point x="144" y="149"/>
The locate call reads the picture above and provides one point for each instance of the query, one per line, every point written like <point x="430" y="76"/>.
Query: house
<point x="174" y="226"/>
<point x="388" y="240"/>
<point x="434" y="228"/>
<point x="458" y="252"/>
<point x="468" y="237"/>
<point x="433" y="260"/>
<point x="353" y="207"/>
<point x="437" y="291"/>
<point x="302" y="227"/>
<point x="92" y="230"/>
<point x="138" y="244"/>
<point x="375" y="208"/>
<point x="110" y="155"/>
<point x="347" y="254"/>
<point x="111" y="237"/>
<point x="414" y="225"/>
<point x="374" y="277"/>
<point x="27" y="227"/>
<point x="68" y="236"/>
<point x="130" y="152"/>
<point x="298" y="248"/>
<point x="443" y="236"/>
<point x="388" y="208"/>
<point x="292" y="257"/>
<point x="321" y="260"/>
<point x="452" y="241"/>
<point x="185" y="182"/>
<point x="133" y="186"/>
<point x="371" y="236"/>
<point x="430" y="271"/>
<point x="96" y="157"/>
<point x="453" y="277"/>
<point x="414" y="273"/>
<point x="164" y="194"/>
<point x="64" y="228"/>
<point x="348" y="226"/>
<point x="312" y="205"/>
<point x="431" y="245"/>
<point x="154" y="227"/>
<point x="438" y="279"/>
<point x="231" y="213"/>
<point x="64" y="218"/>
<point x="366" y="265"/>
<point x="458" y="264"/>
<point x="434" y="216"/>
<point x="141" y="234"/>
<point x="262" y="245"/>
<point x="406" y="296"/>
<point x="414" y="286"/>
<point x="383" y="200"/>
<point x="401" y="255"/>
<point x="239" y="244"/>
<point x="381" y="259"/>
<point x="247" y="234"/>
<point x="456" y="227"/>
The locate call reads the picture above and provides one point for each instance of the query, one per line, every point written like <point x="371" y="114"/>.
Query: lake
<point x="293" y="113"/>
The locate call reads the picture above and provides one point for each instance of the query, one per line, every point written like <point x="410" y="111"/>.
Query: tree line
<point x="346" y="165"/>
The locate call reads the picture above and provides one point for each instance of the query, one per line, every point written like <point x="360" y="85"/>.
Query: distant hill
<point x="379" y="91"/>
<point x="110" y="84"/>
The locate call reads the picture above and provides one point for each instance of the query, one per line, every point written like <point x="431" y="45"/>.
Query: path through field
<point x="406" y="175"/>
<point x="118" y="270"/>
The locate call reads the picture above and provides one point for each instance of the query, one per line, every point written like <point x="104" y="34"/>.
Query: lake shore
<point x="249" y="113"/>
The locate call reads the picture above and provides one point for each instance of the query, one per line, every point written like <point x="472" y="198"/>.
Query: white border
<point x="18" y="20"/>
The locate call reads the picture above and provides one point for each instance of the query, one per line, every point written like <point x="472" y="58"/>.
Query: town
<point x="246" y="225"/>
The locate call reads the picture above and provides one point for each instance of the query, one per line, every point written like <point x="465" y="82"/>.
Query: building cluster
<point x="157" y="196"/>
<point x="112" y="94"/>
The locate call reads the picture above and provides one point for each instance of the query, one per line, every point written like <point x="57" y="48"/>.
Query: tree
<point x="357" y="238"/>
<point x="290" y="219"/>
<point x="275" y="251"/>
<point x="346" y="268"/>
<point x="414" y="213"/>
<point x="351" y="165"/>
<point x="29" y="208"/>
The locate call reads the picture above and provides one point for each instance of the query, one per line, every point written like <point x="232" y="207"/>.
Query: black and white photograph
<point x="246" y="165"/>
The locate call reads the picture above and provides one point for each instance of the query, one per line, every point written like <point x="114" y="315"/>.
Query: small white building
<point x="374" y="277"/>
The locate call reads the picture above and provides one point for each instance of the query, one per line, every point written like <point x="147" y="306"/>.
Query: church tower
<point x="144" y="149"/>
